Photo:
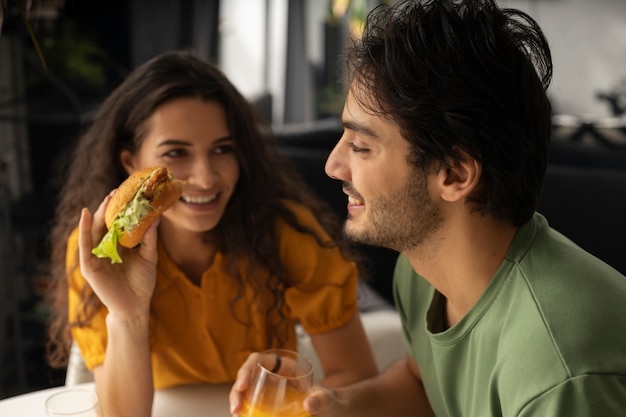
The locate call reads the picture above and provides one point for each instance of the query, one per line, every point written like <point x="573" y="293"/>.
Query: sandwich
<point x="137" y="202"/>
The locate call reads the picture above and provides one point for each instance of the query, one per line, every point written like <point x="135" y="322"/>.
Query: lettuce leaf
<point x="136" y="210"/>
<point x="107" y="248"/>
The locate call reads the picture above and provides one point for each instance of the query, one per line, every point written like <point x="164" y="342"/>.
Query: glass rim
<point x="53" y="408"/>
<point x="299" y="357"/>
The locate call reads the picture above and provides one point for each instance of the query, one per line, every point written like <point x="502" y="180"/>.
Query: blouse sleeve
<point x="324" y="297"/>
<point x="91" y="337"/>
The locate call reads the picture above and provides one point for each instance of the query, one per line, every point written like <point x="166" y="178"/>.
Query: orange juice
<point x="272" y="404"/>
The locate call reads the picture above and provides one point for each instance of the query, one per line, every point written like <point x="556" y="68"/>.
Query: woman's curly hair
<point x="248" y="227"/>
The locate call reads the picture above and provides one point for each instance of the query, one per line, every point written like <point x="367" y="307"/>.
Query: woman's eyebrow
<point x="180" y="142"/>
<point x="225" y="139"/>
<point x="174" y="142"/>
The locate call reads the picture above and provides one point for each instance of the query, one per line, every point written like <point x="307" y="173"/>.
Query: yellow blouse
<point x="193" y="333"/>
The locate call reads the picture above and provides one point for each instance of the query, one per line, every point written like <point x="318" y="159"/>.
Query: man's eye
<point x="357" y="149"/>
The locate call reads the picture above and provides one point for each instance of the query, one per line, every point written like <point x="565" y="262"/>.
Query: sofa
<point x="583" y="196"/>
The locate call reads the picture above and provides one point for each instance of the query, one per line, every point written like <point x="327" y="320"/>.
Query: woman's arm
<point x="124" y="380"/>
<point x="345" y="354"/>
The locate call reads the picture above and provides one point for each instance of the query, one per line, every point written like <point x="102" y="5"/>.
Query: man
<point x="447" y="128"/>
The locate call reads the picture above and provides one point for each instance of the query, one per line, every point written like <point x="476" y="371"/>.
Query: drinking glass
<point x="281" y="381"/>
<point x="73" y="402"/>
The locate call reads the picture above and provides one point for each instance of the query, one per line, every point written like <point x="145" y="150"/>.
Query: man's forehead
<point x="358" y="114"/>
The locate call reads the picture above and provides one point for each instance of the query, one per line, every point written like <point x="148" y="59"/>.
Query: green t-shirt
<point x="546" y="338"/>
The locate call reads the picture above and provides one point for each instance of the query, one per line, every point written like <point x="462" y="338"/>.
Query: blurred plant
<point x="73" y="56"/>
<point x="353" y="11"/>
<point x="62" y="49"/>
<point x="356" y="19"/>
<point x="12" y="8"/>
<point x="337" y="10"/>
<point x="345" y="19"/>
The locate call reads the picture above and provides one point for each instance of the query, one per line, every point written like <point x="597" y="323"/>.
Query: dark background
<point x="88" y="47"/>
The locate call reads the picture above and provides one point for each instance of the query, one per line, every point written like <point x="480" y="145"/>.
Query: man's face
<point x="389" y="202"/>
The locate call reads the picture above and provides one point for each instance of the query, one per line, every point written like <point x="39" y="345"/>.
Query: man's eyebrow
<point x="359" y="128"/>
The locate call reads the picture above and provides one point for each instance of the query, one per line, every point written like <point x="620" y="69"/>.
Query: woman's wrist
<point x="134" y="322"/>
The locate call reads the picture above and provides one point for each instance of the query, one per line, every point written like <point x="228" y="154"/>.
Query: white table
<point x="383" y="329"/>
<point x="202" y="400"/>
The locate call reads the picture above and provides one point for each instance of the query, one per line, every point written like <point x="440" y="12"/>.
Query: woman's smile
<point x="199" y="199"/>
<point x="192" y="138"/>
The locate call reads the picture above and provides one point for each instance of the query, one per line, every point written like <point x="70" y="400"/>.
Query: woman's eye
<point x="357" y="149"/>
<point x="225" y="148"/>
<point x="175" y="153"/>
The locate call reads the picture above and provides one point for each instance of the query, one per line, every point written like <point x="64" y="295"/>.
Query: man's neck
<point x="464" y="259"/>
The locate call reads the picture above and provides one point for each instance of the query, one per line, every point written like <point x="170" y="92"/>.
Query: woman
<point x="228" y="270"/>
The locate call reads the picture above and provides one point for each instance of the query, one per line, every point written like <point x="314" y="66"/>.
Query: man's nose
<point x="336" y="167"/>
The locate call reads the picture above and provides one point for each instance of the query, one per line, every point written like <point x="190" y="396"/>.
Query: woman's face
<point x="191" y="138"/>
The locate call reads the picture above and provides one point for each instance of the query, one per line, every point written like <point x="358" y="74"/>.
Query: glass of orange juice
<point x="280" y="383"/>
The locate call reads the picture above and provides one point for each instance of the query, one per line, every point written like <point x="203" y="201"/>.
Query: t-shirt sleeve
<point x="584" y="395"/>
<point x="91" y="337"/>
<point x="324" y="297"/>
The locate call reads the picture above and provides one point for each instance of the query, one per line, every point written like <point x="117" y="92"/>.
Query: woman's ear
<point x="459" y="181"/>
<point x="128" y="161"/>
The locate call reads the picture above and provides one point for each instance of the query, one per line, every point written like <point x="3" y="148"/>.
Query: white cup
<point x="73" y="402"/>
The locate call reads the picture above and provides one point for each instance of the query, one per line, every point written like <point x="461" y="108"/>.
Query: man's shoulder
<point x="576" y="300"/>
<point x="554" y="267"/>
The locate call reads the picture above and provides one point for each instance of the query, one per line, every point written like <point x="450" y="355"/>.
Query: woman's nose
<point x="203" y="174"/>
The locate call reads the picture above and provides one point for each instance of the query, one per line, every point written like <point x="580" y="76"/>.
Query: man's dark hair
<point x="462" y="79"/>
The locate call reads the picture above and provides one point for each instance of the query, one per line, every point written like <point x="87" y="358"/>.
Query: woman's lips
<point x="199" y="199"/>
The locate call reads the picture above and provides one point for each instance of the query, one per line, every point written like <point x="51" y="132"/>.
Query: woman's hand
<point x="242" y="383"/>
<point x="125" y="288"/>
<point x="320" y="402"/>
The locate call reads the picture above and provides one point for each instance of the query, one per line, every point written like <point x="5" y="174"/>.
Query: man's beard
<point x="401" y="221"/>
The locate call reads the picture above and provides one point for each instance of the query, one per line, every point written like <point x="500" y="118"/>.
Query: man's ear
<point x="128" y="161"/>
<point x="458" y="181"/>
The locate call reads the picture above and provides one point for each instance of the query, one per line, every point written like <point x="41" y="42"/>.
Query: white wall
<point x="588" y="44"/>
<point x="242" y="51"/>
<point x="253" y="47"/>
<point x="587" y="38"/>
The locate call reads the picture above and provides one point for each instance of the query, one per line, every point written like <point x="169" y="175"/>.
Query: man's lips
<point x="353" y="198"/>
